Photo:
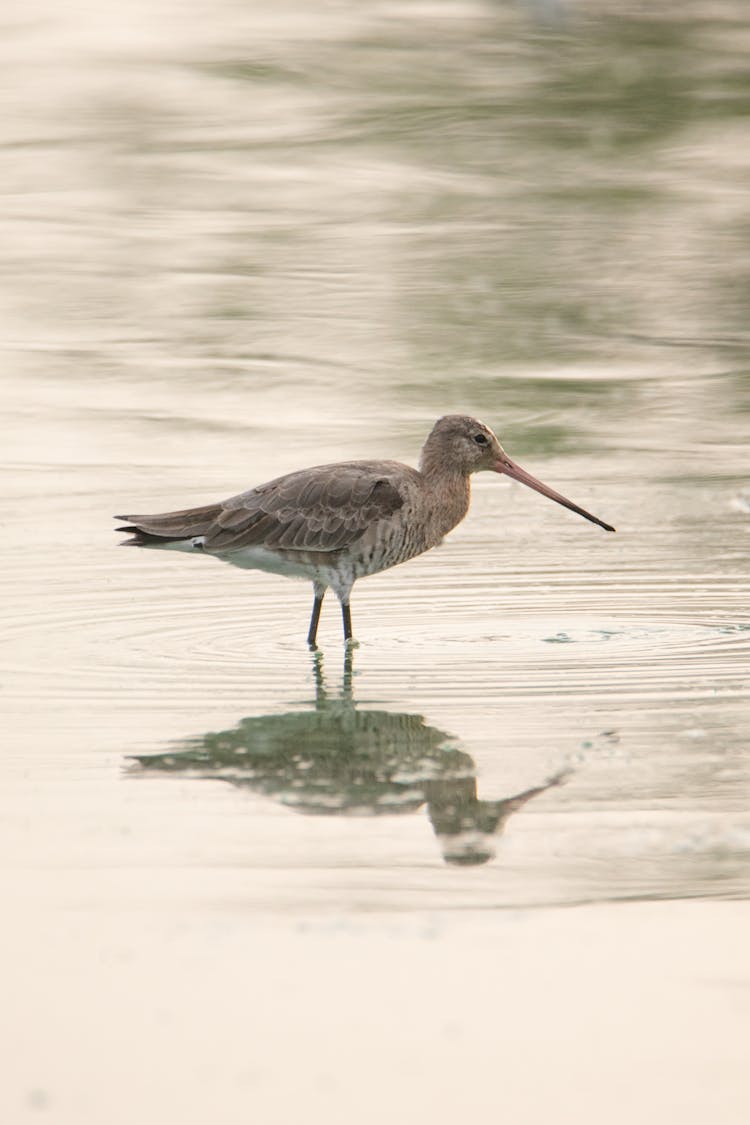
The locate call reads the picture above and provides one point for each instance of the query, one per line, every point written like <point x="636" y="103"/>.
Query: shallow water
<point x="242" y="241"/>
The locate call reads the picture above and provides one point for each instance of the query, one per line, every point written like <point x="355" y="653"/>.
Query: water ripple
<point x="482" y="638"/>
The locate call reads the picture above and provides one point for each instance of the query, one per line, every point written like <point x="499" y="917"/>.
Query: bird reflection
<point x="337" y="760"/>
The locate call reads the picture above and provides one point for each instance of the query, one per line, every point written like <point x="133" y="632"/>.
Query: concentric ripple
<point x="172" y="627"/>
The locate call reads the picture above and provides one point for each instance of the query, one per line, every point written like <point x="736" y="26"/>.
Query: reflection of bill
<point x="465" y="825"/>
<point x="337" y="760"/>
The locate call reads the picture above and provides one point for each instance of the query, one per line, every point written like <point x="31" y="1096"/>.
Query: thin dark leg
<point x="317" y="606"/>
<point x="347" y="615"/>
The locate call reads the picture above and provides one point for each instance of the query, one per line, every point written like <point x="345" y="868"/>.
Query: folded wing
<point x="327" y="508"/>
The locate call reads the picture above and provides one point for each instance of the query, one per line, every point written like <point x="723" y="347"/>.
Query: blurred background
<point x="243" y="238"/>
<point x="383" y="210"/>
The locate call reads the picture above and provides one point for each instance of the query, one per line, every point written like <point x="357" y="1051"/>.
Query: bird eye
<point x="480" y="439"/>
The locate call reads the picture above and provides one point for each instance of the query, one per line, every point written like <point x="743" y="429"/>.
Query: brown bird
<point x="333" y="524"/>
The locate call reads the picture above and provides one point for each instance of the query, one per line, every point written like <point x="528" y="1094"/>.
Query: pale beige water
<point x="242" y="241"/>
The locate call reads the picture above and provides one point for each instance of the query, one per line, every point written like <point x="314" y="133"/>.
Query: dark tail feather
<point x="143" y="538"/>
<point x="168" y="527"/>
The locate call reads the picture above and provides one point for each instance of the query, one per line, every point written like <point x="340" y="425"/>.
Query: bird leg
<point x="315" y="618"/>
<point x="346" y="613"/>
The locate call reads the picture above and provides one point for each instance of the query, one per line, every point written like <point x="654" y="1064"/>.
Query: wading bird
<point x="333" y="524"/>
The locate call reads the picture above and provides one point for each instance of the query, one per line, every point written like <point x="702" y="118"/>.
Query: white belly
<point x="382" y="548"/>
<point x="338" y="574"/>
<point x="260" y="558"/>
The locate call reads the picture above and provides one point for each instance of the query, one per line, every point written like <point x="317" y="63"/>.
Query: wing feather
<point x="323" y="509"/>
<point x="326" y="509"/>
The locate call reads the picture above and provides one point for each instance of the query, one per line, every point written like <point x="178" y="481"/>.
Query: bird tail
<point x="168" y="527"/>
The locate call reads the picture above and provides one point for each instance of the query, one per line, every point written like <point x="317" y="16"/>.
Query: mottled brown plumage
<point x="336" y="523"/>
<point x="322" y="509"/>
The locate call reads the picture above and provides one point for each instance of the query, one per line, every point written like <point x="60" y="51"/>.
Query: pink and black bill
<point x="511" y="469"/>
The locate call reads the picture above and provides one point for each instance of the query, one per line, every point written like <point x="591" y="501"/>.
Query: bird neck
<point x="450" y="491"/>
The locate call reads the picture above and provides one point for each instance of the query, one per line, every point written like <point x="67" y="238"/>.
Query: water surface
<point x="241" y="241"/>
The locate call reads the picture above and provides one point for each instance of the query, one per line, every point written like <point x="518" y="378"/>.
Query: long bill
<point x="511" y="469"/>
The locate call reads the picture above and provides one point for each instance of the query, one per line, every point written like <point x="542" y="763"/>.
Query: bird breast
<point x="422" y="523"/>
